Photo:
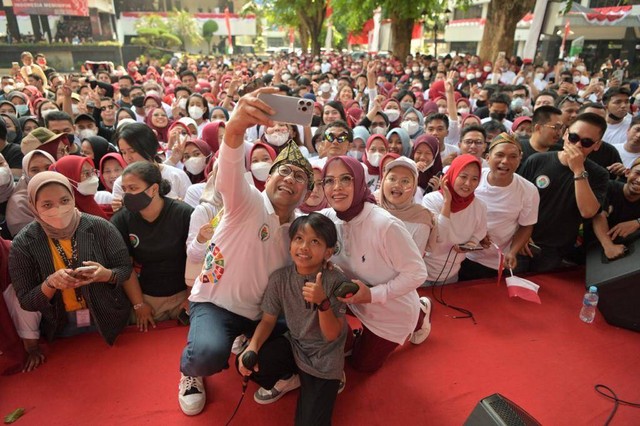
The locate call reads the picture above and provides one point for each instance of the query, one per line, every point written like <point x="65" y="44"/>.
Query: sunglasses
<point x="570" y="98"/>
<point x="585" y="142"/>
<point x="104" y="108"/>
<point x="330" y="137"/>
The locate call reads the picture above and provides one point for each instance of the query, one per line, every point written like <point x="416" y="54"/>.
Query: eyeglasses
<point x="344" y="180"/>
<point x="557" y="127"/>
<point x="104" y="108"/>
<point x="330" y="137"/>
<point x="585" y="142"/>
<point x="86" y="174"/>
<point x="404" y="182"/>
<point x="477" y="142"/>
<point x="300" y="177"/>
<point x="570" y="98"/>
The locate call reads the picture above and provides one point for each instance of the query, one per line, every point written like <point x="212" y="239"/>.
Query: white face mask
<point x="374" y="159"/>
<point x="539" y="76"/>
<point x="260" y="170"/>
<point x="5" y="176"/>
<point x="415" y="69"/>
<point x="463" y="74"/>
<point x="463" y="110"/>
<point x="325" y="88"/>
<point x="182" y="103"/>
<point x="58" y="217"/>
<point x="167" y="79"/>
<point x="379" y="130"/>
<point x="195" y="165"/>
<point x="196" y="112"/>
<point x="584" y="80"/>
<point x="576" y="78"/>
<point x="355" y="154"/>
<point x="46" y="112"/>
<point x="87" y="133"/>
<point x="478" y="74"/>
<point x="486" y="69"/>
<point x="410" y="126"/>
<point x="75" y="109"/>
<point x="89" y="186"/>
<point x="442" y="110"/>
<point x="471" y="76"/>
<point x="392" y="114"/>
<point x="277" y="139"/>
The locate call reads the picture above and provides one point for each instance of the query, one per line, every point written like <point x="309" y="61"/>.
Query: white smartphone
<point x="84" y="270"/>
<point x="289" y="109"/>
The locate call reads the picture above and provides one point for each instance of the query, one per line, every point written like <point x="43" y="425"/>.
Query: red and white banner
<point x="51" y="7"/>
<point x="607" y="15"/>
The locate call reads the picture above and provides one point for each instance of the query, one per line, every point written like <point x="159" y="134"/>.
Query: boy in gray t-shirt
<point x="311" y="354"/>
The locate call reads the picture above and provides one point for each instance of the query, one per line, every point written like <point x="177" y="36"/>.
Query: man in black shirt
<point x="547" y="129"/>
<point x="621" y="218"/>
<point x="607" y="156"/>
<point x="571" y="188"/>
<point x="10" y="151"/>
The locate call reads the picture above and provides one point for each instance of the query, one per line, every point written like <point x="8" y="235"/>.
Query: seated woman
<point x="83" y="177"/>
<point x="413" y="123"/>
<point x="377" y="147"/>
<point x="377" y="252"/>
<point x="18" y="213"/>
<point x="426" y="154"/>
<point x="462" y="219"/>
<point x="399" y="141"/>
<point x="14" y="130"/>
<point x="396" y="195"/>
<point x="69" y="266"/>
<point x="259" y="160"/>
<point x="111" y="167"/>
<point x="28" y="123"/>
<point x="213" y="133"/>
<point x="158" y="120"/>
<point x="137" y="142"/>
<point x="155" y="228"/>
<point x="96" y="147"/>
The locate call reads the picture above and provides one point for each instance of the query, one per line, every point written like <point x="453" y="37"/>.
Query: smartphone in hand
<point x="83" y="271"/>
<point x="465" y="247"/>
<point x="289" y="109"/>
<point x="346" y="289"/>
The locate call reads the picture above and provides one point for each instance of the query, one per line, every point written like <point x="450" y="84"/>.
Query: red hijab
<point x="361" y="192"/>
<point x="210" y="134"/>
<point x="162" y="132"/>
<point x="459" y="203"/>
<point x="272" y="153"/>
<point x="112" y="155"/>
<point x="70" y="166"/>
<point x="206" y="151"/>
<point x="388" y="155"/>
<point x="373" y="170"/>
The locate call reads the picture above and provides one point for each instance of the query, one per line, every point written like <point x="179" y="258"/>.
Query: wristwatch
<point x="581" y="176"/>
<point x="324" y="305"/>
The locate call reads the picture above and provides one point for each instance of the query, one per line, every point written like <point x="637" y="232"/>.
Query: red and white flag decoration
<point x="524" y="289"/>
<point x="607" y="15"/>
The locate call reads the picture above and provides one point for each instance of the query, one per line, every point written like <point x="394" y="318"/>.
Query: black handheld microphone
<point x="249" y="360"/>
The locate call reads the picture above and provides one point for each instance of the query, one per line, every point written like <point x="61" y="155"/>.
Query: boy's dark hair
<point x="188" y="73"/>
<point x="473" y="128"/>
<point x="437" y="116"/>
<point x="634" y="121"/>
<point x="614" y="91"/>
<point x="494" y="125"/>
<point x="593" y="119"/>
<point x="127" y="77"/>
<point x="594" y="105"/>
<point x="542" y="115"/>
<point x="499" y="98"/>
<point x="321" y="225"/>
<point x="57" y="116"/>
<point x="550" y="93"/>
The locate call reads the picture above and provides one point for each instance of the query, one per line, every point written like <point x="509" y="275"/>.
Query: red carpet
<point x="542" y="357"/>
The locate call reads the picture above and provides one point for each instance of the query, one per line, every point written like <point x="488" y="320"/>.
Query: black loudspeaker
<point x="497" y="410"/>
<point x="618" y="283"/>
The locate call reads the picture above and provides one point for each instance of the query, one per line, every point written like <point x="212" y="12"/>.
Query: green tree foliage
<point x="305" y="15"/>
<point x="167" y="34"/>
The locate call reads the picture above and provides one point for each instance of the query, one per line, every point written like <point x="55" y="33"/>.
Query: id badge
<point x="83" y="318"/>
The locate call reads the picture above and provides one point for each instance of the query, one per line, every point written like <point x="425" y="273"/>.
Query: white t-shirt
<point x="249" y="243"/>
<point x="616" y="134"/>
<point x="375" y="247"/>
<point x="508" y="208"/>
<point x="177" y="178"/>
<point x="449" y="149"/>
<point x="627" y="157"/>
<point x="194" y="192"/>
<point x="454" y="133"/>
<point x="461" y="227"/>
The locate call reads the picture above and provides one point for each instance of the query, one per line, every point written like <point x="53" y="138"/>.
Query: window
<point x="472" y="12"/>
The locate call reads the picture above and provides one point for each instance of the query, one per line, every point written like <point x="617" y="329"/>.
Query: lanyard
<point x="69" y="263"/>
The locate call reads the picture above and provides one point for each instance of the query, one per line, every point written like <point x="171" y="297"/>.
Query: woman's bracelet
<point x="138" y="306"/>
<point x="46" y="282"/>
<point x="113" y="278"/>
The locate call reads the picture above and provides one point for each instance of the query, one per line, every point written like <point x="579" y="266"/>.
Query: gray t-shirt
<point x="313" y="354"/>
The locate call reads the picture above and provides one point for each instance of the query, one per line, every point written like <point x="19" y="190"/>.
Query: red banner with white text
<point x="51" y="7"/>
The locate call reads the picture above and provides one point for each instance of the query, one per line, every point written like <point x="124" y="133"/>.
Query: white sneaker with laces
<point x="421" y="335"/>
<point x="191" y="395"/>
<point x="282" y="386"/>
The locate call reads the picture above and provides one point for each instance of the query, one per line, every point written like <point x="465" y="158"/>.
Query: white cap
<point x="402" y="162"/>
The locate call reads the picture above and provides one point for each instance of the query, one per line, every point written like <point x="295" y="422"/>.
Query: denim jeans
<point x="211" y="334"/>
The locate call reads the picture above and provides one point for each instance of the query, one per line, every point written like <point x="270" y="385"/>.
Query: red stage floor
<point x="542" y="357"/>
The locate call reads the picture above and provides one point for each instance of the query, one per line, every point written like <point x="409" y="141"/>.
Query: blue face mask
<point x="22" y="110"/>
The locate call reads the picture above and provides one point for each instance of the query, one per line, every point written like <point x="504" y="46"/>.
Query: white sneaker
<point x="421" y="335"/>
<point x="282" y="386"/>
<point x="240" y="344"/>
<point x="191" y="395"/>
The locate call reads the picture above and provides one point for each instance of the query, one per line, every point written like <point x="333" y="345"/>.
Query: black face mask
<point x="615" y="118"/>
<point x="498" y="116"/>
<point x="11" y="136"/>
<point x="136" y="202"/>
<point x="138" y="101"/>
<point x="480" y="104"/>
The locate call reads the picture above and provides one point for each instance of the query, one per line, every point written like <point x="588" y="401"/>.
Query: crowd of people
<point x="166" y="191"/>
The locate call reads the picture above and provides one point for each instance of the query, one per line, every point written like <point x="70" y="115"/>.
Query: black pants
<point x="317" y="396"/>
<point x="470" y="270"/>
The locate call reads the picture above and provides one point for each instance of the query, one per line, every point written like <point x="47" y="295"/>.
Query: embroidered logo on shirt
<point x="213" y="267"/>
<point x="542" y="181"/>
<point x="264" y="232"/>
<point x="337" y="249"/>
<point x="134" y="240"/>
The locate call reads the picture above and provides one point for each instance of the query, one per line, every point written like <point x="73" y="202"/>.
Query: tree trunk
<point x="401" y="30"/>
<point x="304" y="38"/>
<point x="500" y="28"/>
<point x="312" y="19"/>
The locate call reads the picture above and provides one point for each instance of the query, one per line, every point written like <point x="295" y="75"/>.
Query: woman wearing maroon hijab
<point x="159" y="122"/>
<point x="462" y="218"/>
<point x="82" y="174"/>
<point x="376" y="147"/>
<point x="426" y="154"/>
<point x="213" y="133"/>
<point x="377" y="252"/>
<point x="259" y="160"/>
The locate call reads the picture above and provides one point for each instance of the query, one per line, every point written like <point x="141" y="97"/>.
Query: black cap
<point x="81" y="117"/>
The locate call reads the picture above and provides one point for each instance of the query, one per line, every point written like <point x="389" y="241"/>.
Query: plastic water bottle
<point x="589" y="303"/>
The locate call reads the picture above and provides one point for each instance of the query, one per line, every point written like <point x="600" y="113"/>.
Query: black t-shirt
<point x="528" y="151"/>
<point x="13" y="154"/>
<point x="558" y="214"/>
<point x="606" y="156"/>
<point x="618" y="207"/>
<point x="159" y="247"/>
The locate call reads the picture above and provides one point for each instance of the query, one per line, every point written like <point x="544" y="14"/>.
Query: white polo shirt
<point x="248" y="245"/>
